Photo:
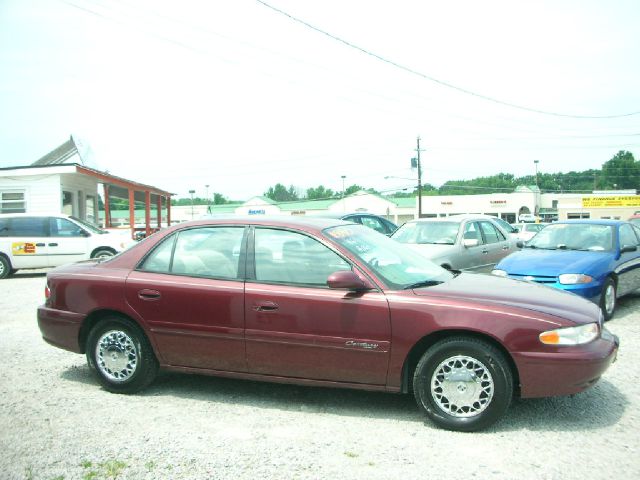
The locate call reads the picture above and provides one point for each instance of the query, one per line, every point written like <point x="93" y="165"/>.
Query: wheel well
<point x="96" y="317"/>
<point x="95" y="250"/>
<point x="7" y="259"/>
<point x="415" y="354"/>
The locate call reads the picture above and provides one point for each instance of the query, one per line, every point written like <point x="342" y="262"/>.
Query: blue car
<point x="596" y="259"/>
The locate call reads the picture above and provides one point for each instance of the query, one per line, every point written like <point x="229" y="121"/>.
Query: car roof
<point x="588" y="221"/>
<point x="305" y="222"/>
<point x="454" y="218"/>
<point x="39" y="215"/>
<point x="341" y="214"/>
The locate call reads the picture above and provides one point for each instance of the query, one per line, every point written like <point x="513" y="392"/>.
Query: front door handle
<point x="149" y="295"/>
<point x="265" y="307"/>
<point x="39" y="244"/>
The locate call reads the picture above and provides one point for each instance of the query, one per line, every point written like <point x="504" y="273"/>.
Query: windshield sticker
<point x="340" y="232"/>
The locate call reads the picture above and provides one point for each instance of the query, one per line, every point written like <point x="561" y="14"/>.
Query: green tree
<point x="280" y="193"/>
<point x="219" y="199"/>
<point x="352" y="189"/>
<point x="319" y="193"/>
<point x="622" y="171"/>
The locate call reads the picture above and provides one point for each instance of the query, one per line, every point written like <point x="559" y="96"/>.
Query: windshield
<point x="440" y="233"/>
<point x="397" y="266"/>
<point x="574" y="236"/>
<point x="89" y="226"/>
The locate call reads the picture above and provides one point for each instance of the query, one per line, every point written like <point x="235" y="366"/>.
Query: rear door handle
<point x="265" y="307"/>
<point x="148" y="294"/>
<point x="53" y="244"/>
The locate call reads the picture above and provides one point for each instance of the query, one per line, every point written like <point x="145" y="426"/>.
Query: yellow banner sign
<point x="23" y="248"/>
<point x="600" y="202"/>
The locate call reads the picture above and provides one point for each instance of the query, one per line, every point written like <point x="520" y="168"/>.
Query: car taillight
<point x="47" y="292"/>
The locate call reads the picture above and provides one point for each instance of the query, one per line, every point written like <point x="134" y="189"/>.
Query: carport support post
<point x="147" y="213"/>
<point x="107" y="206"/>
<point x="132" y="212"/>
<point x="159" y="211"/>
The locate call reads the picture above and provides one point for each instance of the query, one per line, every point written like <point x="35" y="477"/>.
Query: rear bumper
<point x="568" y="370"/>
<point x="60" y="328"/>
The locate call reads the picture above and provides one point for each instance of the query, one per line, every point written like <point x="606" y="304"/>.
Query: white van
<point x="40" y="241"/>
<point x="527" y="218"/>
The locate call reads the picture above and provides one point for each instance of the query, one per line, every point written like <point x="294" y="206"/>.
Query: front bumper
<point x="565" y="370"/>
<point x="60" y="328"/>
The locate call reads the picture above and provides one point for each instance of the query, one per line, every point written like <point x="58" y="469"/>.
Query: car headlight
<point x="571" y="335"/>
<point x="574" y="278"/>
<point x="499" y="273"/>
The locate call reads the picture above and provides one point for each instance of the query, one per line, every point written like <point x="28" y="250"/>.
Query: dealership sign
<point x="600" y="202"/>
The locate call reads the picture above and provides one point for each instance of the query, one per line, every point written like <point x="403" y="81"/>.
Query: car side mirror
<point x="628" y="248"/>
<point x="470" y="242"/>
<point x="519" y="244"/>
<point x="347" y="280"/>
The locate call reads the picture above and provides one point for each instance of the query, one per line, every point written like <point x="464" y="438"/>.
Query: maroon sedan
<point x="323" y="302"/>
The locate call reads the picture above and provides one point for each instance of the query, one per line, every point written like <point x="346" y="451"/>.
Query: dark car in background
<point x="323" y="302"/>
<point x="376" y="222"/>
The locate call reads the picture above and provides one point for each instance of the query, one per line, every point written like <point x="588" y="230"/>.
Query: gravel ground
<point x="57" y="423"/>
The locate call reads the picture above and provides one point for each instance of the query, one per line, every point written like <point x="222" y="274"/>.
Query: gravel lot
<point x="57" y="423"/>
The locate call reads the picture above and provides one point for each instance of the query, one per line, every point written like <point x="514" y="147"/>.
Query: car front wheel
<point x="608" y="298"/>
<point x="463" y="384"/>
<point x="121" y="356"/>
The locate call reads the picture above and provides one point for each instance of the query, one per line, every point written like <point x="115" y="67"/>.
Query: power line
<point x="435" y="80"/>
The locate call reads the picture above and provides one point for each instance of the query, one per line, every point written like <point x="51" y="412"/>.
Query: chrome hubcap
<point x="462" y="386"/>
<point x="610" y="299"/>
<point x="116" y="356"/>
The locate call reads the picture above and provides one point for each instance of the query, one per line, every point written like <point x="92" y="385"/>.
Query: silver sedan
<point x="461" y="242"/>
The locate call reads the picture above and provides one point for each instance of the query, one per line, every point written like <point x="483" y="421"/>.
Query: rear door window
<point x="201" y="252"/>
<point x="28" y="227"/>
<point x="491" y="233"/>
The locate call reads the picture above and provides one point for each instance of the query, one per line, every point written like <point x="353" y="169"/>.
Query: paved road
<point x="57" y="423"/>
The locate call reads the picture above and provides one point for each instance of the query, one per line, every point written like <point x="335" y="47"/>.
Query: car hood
<point x="431" y="250"/>
<point x="490" y="289"/>
<point x="551" y="263"/>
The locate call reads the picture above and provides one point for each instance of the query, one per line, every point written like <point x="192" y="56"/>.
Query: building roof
<point x="66" y="151"/>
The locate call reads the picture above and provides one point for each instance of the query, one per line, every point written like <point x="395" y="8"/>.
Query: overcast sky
<point x="238" y="96"/>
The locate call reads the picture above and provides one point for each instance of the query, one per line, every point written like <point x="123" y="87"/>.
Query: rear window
<point x="25" y="227"/>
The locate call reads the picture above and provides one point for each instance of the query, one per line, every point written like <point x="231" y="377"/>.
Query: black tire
<point x="608" y="300"/>
<point x="487" y="386"/>
<point x="130" y="364"/>
<point x="5" y="267"/>
<point x="103" y="253"/>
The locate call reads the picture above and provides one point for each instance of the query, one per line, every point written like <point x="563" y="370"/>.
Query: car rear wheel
<point x="121" y="356"/>
<point x="5" y="267"/>
<point x="463" y="384"/>
<point x="608" y="298"/>
<point x="103" y="253"/>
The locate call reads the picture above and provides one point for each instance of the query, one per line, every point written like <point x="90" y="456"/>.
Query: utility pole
<point x="419" y="178"/>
